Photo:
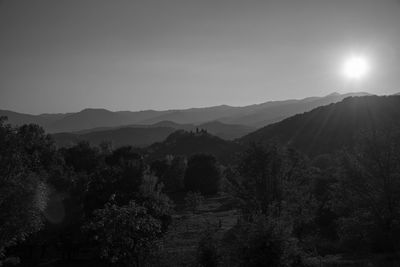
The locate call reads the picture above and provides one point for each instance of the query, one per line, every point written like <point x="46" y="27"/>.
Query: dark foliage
<point x="264" y="242"/>
<point x="202" y="174"/>
<point x="366" y="196"/>
<point x="125" y="234"/>
<point x="82" y="157"/>
<point x="272" y="188"/>
<point x="26" y="157"/>
<point x="48" y="195"/>
<point x="171" y="172"/>
<point x="182" y="143"/>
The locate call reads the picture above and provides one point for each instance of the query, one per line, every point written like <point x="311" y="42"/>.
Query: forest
<point x="86" y="205"/>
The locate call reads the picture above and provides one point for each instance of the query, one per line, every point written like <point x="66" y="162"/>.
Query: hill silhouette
<point x="183" y="143"/>
<point x="274" y="111"/>
<point x="226" y="131"/>
<point x="329" y="128"/>
<point x="144" y="135"/>
<point x="223" y="130"/>
<point x="254" y="116"/>
<point x="44" y="120"/>
<point x="138" y="137"/>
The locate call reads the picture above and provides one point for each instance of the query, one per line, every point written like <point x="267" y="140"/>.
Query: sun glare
<point x="355" y="67"/>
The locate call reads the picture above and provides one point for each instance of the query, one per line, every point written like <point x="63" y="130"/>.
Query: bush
<point x="155" y="201"/>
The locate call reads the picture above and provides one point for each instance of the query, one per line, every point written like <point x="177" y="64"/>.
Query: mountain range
<point x="144" y="135"/>
<point x="183" y="143"/>
<point x="253" y="116"/>
<point x="324" y="129"/>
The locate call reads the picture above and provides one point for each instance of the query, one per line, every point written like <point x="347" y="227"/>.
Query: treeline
<point x="57" y="203"/>
<point x="294" y="210"/>
<point x="113" y="206"/>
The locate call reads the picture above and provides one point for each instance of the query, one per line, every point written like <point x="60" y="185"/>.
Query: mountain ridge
<point x="143" y="135"/>
<point x="331" y="127"/>
<point x="256" y="115"/>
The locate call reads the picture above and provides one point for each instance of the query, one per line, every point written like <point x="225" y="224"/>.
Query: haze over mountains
<point x="324" y="129"/>
<point x="143" y="128"/>
<point x="253" y="116"/>
<point x="183" y="143"/>
<point x="143" y="135"/>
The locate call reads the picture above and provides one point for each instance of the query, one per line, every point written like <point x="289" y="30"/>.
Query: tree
<point x="131" y="168"/>
<point x="155" y="201"/>
<point x="268" y="177"/>
<point x="272" y="187"/>
<point x="23" y="199"/>
<point x="159" y="168"/>
<point x="82" y="157"/>
<point x="120" y="172"/>
<point x="125" y="234"/>
<point x="257" y="180"/>
<point x="170" y="172"/>
<point x="366" y="195"/>
<point x="202" y="174"/>
<point x="24" y="152"/>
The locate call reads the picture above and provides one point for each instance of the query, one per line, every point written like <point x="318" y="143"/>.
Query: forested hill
<point x="127" y="136"/>
<point x="144" y="135"/>
<point x="183" y="143"/>
<point x="328" y="128"/>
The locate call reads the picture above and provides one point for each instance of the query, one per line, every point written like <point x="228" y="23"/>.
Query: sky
<point x="64" y="56"/>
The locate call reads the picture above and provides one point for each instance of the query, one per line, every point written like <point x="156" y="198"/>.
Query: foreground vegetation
<point x="272" y="206"/>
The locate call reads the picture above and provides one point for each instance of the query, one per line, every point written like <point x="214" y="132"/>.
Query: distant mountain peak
<point x="333" y="94"/>
<point x="86" y="110"/>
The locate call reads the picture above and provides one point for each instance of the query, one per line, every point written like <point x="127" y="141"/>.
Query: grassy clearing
<point x="181" y="241"/>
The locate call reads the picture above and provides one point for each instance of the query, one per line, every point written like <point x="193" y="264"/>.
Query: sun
<point x="355" y="67"/>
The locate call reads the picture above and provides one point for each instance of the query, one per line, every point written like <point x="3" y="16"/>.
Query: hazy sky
<point x="59" y="56"/>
